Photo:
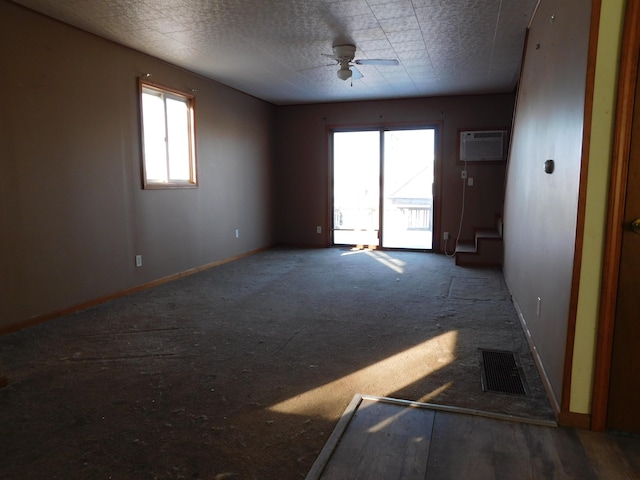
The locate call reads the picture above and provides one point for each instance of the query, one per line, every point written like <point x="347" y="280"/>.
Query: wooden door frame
<point x="628" y="76"/>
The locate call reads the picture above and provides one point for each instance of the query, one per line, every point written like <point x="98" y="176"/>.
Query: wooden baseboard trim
<point x="30" y="322"/>
<point x="555" y="403"/>
<point x="575" y="420"/>
<point x="564" y="418"/>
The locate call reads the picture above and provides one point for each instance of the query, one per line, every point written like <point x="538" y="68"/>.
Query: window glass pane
<point x="178" y="134"/>
<point x="155" y="151"/>
<point x="167" y="135"/>
<point x="356" y="187"/>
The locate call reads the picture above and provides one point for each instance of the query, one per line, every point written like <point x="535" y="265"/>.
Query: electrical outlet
<point x="318" y="229"/>
<point x="463" y="174"/>
<point x="470" y="181"/>
<point x="237" y="233"/>
<point x="138" y="260"/>
<point x="445" y="235"/>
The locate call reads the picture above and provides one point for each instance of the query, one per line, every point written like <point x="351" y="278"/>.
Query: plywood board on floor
<point x="381" y="442"/>
<point x="381" y="438"/>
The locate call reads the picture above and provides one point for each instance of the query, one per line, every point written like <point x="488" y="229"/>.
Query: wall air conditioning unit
<point x="483" y="146"/>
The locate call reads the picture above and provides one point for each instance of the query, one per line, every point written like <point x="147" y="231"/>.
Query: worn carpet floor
<point x="243" y="370"/>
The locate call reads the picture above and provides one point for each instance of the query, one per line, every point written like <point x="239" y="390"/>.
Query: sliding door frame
<point x="436" y="126"/>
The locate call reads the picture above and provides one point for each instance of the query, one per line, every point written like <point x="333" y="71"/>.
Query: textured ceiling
<point x="272" y="49"/>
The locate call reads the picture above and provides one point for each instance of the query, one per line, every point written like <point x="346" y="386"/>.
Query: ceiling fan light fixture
<point x="344" y="73"/>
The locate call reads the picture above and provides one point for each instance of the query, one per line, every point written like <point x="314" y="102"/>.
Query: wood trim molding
<point x="553" y="399"/>
<point x="334" y="439"/>
<point x="617" y="195"/>
<point x="582" y="200"/>
<point x="123" y="293"/>
<point x="575" y="420"/>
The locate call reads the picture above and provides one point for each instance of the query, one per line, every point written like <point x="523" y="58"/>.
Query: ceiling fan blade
<point x="333" y="57"/>
<point x="378" y="61"/>
<point x="356" y="74"/>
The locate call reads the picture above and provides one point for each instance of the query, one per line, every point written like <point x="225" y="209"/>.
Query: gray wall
<point x="303" y="159"/>
<point x="541" y="209"/>
<point x="72" y="211"/>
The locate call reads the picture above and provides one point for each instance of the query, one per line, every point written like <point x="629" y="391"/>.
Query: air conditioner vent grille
<point x="482" y="146"/>
<point x="488" y="134"/>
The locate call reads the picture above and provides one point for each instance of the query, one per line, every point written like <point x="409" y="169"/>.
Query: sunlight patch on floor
<point x="382" y="257"/>
<point x="393" y="373"/>
<point x="387" y="260"/>
<point x="431" y="395"/>
<point x="380" y="426"/>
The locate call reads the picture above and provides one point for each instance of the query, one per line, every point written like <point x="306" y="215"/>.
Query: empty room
<point x="319" y="239"/>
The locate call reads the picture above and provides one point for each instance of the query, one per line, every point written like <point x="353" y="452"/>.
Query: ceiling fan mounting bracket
<point x="344" y="53"/>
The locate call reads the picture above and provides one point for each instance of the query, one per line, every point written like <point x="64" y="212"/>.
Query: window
<point x="168" y="146"/>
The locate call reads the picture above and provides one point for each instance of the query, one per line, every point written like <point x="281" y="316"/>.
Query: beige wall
<point x="73" y="215"/>
<point x="72" y="212"/>
<point x="303" y="159"/>
<point x="541" y="209"/>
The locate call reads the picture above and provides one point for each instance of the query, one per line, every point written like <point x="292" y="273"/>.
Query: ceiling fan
<point x="343" y="55"/>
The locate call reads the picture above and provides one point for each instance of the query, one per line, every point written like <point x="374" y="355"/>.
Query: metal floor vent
<point x="501" y="373"/>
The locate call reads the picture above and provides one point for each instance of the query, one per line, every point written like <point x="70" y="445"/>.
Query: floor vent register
<point x="502" y="373"/>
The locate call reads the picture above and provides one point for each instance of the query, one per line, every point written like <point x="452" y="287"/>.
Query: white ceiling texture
<point x="272" y="49"/>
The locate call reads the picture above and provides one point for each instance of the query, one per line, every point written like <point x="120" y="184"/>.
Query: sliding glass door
<point x="382" y="188"/>
<point x="407" y="189"/>
<point x="356" y="188"/>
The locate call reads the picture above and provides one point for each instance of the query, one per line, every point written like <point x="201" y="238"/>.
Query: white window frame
<point x="157" y="153"/>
